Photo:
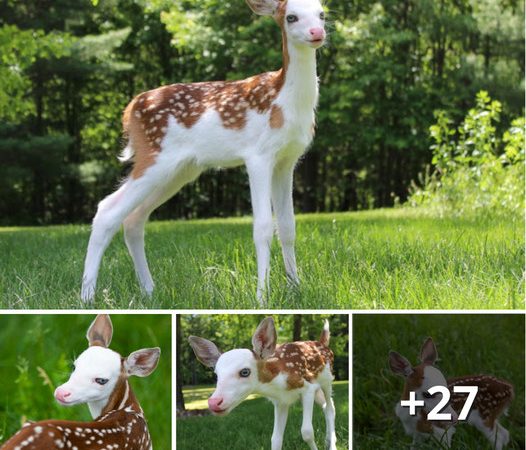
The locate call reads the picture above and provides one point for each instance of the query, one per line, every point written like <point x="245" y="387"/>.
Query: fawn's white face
<point x="237" y="377"/>
<point x="421" y="378"/>
<point x="433" y="377"/>
<point x="304" y="23"/>
<point x="96" y="372"/>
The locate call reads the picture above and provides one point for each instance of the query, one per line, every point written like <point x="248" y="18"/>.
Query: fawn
<point x="174" y="132"/>
<point x="100" y="379"/>
<point x="281" y="373"/>
<point x="493" y="398"/>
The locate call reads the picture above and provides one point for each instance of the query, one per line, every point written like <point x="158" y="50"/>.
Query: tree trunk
<point x="296" y="329"/>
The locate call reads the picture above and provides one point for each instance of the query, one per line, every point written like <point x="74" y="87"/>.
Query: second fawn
<point x="175" y="132"/>
<point x="282" y="373"/>
<point x="493" y="398"/>
<point x="100" y="379"/>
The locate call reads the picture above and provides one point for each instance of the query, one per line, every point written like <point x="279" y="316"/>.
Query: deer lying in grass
<point x="175" y="132"/>
<point x="493" y="398"/>
<point x="283" y="374"/>
<point x="100" y="379"/>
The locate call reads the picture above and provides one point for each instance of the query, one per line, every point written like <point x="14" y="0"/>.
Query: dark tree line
<point x="70" y="67"/>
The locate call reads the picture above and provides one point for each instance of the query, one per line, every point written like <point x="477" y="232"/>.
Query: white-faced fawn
<point x="282" y="373"/>
<point x="100" y="379"/>
<point x="493" y="398"/>
<point x="175" y="132"/>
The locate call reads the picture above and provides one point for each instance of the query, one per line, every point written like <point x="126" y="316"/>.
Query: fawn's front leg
<point x="259" y="173"/>
<point x="281" y="412"/>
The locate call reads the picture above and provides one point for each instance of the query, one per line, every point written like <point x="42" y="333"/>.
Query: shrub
<point x="476" y="171"/>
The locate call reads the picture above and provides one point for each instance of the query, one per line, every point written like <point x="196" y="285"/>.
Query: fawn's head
<point x="98" y="369"/>
<point x="422" y="377"/>
<point x="236" y="370"/>
<point x="302" y="21"/>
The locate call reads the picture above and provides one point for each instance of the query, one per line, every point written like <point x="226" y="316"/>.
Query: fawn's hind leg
<point x="135" y="222"/>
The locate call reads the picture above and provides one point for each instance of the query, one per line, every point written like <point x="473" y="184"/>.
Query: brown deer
<point x="282" y="373"/>
<point x="492" y="399"/>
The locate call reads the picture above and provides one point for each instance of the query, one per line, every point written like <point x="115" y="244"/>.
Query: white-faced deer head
<point x="100" y="379"/>
<point x="283" y="373"/>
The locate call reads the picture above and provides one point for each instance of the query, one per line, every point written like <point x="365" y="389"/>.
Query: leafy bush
<point x="476" y="171"/>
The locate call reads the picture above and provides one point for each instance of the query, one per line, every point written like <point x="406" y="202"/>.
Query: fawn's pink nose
<point x="317" y="34"/>
<point x="214" y="403"/>
<point x="61" y="395"/>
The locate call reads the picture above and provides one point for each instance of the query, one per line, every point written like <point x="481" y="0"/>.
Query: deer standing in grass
<point x="100" y="379"/>
<point x="265" y="122"/>
<point x="283" y="374"/>
<point x="493" y="398"/>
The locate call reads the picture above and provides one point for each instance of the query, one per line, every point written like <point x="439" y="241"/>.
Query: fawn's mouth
<point x="316" y="43"/>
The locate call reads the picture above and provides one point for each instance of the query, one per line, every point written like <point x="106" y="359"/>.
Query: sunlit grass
<point x="386" y="259"/>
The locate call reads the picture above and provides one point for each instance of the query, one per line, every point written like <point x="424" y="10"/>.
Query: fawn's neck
<point x="121" y="397"/>
<point x="299" y="71"/>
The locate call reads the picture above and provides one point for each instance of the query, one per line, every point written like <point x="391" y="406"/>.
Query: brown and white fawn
<point x="175" y="132"/>
<point x="493" y="398"/>
<point x="100" y="379"/>
<point x="283" y="374"/>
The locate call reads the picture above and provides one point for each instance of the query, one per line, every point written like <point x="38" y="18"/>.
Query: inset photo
<point x="82" y="381"/>
<point x="255" y="381"/>
<point x="437" y="381"/>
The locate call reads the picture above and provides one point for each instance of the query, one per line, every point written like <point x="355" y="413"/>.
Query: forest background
<point x="70" y="67"/>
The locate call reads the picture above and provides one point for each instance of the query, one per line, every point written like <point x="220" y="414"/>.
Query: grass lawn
<point x="374" y="259"/>
<point x="467" y="344"/>
<point x="249" y="426"/>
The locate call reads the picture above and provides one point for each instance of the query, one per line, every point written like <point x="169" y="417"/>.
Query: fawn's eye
<point x="101" y="381"/>
<point x="428" y="395"/>
<point x="244" y="373"/>
<point x="291" y="18"/>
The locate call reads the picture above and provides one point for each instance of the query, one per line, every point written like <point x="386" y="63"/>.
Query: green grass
<point x="36" y="353"/>
<point x="249" y="426"/>
<point x="466" y="343"/>
<point x="385" y="259"/>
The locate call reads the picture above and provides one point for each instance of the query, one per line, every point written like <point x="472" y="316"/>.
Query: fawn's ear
<point x="263" y="7"/>
<point x="142" y="362"/>
<point x="205" y="351"/>
<point x="429" y="353"/>
<point x="264" y="338"/>
<point x="100" y="331"/>
<point x="399" y="365"/>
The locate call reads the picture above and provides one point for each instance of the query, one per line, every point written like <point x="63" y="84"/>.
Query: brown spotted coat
<point x="145" y="119"/>
<point x="300" y="361"/>
<point x="493" y="397"/>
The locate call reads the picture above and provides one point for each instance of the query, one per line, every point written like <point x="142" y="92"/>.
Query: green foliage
<point x="71" y="68"/>
<point x="477" y="171"/>
<point x="19" y="50"/>
<point x="37" y="354"/>
<point x="235" y="331"/>
<point x="370" y="259"/>
<point x="466" y="343"/>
